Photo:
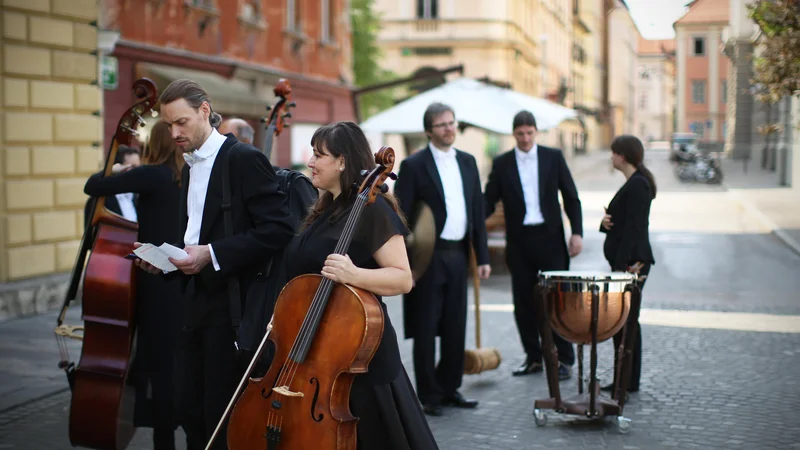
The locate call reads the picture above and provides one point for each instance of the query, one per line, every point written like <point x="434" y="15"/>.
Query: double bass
<point x="101" y="411"/>
<point x="324" y="334"/>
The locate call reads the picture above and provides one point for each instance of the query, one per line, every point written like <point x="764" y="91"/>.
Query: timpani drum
<point x="586" y="308"/>
<point x="569" y="303"/>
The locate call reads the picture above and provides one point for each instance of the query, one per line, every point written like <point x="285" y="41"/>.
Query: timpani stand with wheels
<point x="587" y="308"/>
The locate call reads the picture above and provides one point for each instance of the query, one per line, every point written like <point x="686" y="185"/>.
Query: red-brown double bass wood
<point x="324" y="334"/>
<point x="101" y="410"/>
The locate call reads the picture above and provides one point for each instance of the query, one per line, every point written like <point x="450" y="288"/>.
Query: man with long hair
<point x="219" y="262"/>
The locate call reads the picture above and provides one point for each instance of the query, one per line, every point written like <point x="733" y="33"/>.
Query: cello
<point x="324" y="334"/>
<point x="101" y="410"/>
<point x="277" y="115"/>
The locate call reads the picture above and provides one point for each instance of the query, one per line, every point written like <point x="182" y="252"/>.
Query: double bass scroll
<point x="100" y="414"/>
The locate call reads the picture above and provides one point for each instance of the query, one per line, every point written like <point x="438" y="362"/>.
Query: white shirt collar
<point x="531" y="155"/>
<point x="449" y="153"/>
<point x="209" y="148"/>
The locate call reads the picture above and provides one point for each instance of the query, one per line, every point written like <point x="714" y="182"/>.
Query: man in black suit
<point x="207" y="367"/>
<point x="446" y="180"/>
<point x="527" y="179"/>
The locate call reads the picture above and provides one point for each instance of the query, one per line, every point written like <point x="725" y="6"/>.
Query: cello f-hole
<point x="314" y="402"/>
<point x="264" y="392"/>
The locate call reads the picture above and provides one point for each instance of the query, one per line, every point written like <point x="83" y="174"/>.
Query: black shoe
<point x="526" y="368"/>
<point x="459" y="401"/>
<point x="432" y="409"/>
<point x="564" y="372"/>
<point x="612" y="388"/>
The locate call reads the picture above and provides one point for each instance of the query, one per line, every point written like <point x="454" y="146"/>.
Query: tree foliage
<point x="777" y="66"/>
<point x="366" y="56"/>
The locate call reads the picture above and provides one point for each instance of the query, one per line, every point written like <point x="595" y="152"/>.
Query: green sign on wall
<point x="109" y="71"/>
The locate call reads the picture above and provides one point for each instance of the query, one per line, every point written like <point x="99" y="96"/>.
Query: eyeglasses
<point x="452" y="123"/>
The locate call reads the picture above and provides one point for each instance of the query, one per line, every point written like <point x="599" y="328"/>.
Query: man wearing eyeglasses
<point x="447" y="181"/>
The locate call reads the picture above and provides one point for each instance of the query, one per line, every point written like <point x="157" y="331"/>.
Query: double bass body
<point x="101" y="413"/>
<point x="304" y="405"/>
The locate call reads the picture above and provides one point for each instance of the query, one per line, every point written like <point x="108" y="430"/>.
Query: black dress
<point x="390" y="416"/>
<point x="158" y="300"/>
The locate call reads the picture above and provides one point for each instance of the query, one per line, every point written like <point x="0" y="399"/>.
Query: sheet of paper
<point x="159" y="256"/>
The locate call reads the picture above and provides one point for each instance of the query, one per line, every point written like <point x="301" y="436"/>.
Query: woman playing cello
<point x="383" y="399"/>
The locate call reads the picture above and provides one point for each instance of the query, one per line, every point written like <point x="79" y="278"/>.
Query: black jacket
<point x="261" y="226"/>
<point x="628" y="241"/>
<point x="419" y="180"/>
<point x="554" y="176"/>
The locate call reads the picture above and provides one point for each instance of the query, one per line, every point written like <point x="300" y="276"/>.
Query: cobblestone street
<point x="716" y="374"/>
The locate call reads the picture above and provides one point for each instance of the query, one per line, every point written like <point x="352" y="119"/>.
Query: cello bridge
<point x="70" y="331"/>
<point x="284" y="390"/>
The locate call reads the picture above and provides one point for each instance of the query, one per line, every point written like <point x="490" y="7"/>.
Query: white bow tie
<point x="192" y="158"/>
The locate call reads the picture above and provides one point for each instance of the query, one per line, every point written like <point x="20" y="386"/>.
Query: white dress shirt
<point x="528" y="167"/>
<point x="126" y="206"/>
<point x="200" y="162"/>
<point x="455" y="224"/>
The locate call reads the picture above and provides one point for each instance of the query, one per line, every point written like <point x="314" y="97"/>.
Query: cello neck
<point x="320" y="301"/>
<point x="269" y="136"/>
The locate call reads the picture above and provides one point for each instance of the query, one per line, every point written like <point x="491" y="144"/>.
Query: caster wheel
<point x="623" y="425"/>
<point x="539" y="417"/>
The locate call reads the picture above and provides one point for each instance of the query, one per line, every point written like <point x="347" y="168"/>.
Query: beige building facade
<point x="655" y="90"/>
<point x="51" y="129"/>
<point x="525" y="43"/>
<point x="623" y="42"/>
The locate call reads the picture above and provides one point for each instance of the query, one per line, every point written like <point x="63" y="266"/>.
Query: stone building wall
<point x="51" y="121"/>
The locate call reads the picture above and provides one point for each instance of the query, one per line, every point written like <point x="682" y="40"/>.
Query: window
<point x="699" y="47"/>
<point x="427" y="9"/>
<point x="327" y="22"/>
<point x="643" y="101"/>
<point x="724" y="91"/>
<point x="699" y="92"/>
<point x="292" y="15"/>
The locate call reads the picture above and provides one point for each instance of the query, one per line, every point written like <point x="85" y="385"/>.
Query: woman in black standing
<point x="390" y="417"/>
<point x="626" y="222"/>
<point x="158" y="183"/>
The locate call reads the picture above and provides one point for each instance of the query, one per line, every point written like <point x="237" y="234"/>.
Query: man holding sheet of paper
<point x="221" y="264"/>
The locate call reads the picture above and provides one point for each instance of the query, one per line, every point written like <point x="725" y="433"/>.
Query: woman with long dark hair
<point x="626" y="223"/>
<point x="390" y="416"/>
<point x="158" y="183"/>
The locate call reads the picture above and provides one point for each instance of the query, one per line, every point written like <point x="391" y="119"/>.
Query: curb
<point x="766" y="221"/>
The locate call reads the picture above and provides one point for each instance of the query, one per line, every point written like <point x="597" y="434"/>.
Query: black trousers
<point x="636" y="366"/>
<point x="207" y="377"/>
<point x="442" y="309"/>
<point x="538" y="249"/>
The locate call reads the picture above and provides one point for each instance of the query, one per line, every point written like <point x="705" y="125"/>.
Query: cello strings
<point x="318" y="304"/>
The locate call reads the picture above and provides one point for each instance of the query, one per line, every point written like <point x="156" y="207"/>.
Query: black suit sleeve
<point x="142" y="179"/>
<point x="493" y="189"/>
<point x="479" y="217"/>
<point x="636" y="207"/>
<point x="270" y="224"/>
<point x="404" y="190"/>
<point x="572" y="204"/>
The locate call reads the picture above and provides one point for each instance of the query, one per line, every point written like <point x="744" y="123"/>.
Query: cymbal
<point x="421" y="241"/>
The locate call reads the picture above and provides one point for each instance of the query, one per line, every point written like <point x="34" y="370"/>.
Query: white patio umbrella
<point x="475" y="103"/>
